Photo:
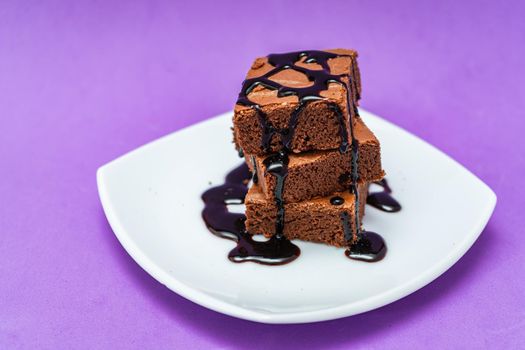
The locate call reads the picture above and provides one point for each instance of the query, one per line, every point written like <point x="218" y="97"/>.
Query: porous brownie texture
<point x="318" y="125"/>
<point x="315" y="220"/>
<point x="319" y="173"/>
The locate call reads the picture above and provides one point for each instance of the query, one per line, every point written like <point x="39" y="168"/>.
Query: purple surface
<point x="84" y="82"/>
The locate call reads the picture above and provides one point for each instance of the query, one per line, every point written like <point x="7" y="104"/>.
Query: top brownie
<point x="263" y="119"/>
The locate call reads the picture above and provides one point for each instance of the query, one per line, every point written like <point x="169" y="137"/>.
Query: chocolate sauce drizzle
<point x="223" y="223"/>
<point x="368" y="246"/>
<point x="277" y="165"/>
<point x="255" y="178"/>
<point x="383" y="200"/>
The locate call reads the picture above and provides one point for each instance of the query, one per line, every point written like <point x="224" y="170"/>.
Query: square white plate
<point x="152" y="199"/>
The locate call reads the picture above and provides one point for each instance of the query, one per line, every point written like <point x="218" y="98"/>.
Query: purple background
<point x="84" y="82"/>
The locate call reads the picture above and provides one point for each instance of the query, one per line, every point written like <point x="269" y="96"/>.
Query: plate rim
<point x="345" y="310"/>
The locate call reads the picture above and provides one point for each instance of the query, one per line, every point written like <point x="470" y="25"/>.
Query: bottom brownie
<point x="316" y="220"/>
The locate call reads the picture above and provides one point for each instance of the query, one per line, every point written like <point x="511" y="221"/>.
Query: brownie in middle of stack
<point x="296" y="124"/>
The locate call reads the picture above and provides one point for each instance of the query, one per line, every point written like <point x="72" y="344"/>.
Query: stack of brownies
<point x="312" y="157"/>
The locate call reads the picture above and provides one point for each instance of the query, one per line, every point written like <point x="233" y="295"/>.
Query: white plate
<point x="151" y="197"/>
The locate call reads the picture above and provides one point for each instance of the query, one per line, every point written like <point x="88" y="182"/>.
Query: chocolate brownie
<point x="318" y="127"/>
<point x="317" y="220"/>
<point x="319" y="173"/>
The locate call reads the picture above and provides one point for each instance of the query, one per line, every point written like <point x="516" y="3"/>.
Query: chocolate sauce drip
<point x="255" y="178"/>
<point x="346" y="227"/>
<point x="370" y="247"/>
<point x="343" y="146"/>
<point x="275" y="251"/>
<point x="288" y="133"/>
<point x="268" y="130"/>
<point x="337" y="200"/>
<point x="353" y="185"/>
<point x="383" y="200"/>
<point x="277" y="165"/>
<point x="221" y="222"/>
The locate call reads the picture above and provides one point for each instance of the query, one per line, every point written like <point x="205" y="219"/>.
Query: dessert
<point x="310" y="156"/>
<point x="278" y="86"/>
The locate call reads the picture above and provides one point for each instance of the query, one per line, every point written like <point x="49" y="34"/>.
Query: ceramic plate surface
<point x="152" y="199"/>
